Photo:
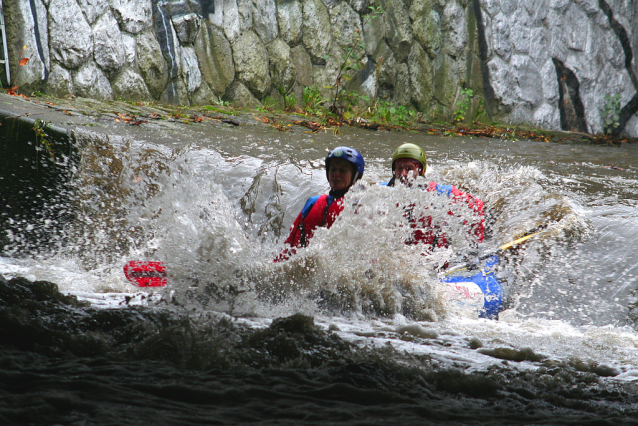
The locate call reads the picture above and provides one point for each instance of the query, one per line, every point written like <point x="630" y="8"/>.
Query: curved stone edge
<point x="36" y="163"/>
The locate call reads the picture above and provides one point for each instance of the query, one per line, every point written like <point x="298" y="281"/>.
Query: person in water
<point x="409" y="162"/>
<point x="344" y="166"/>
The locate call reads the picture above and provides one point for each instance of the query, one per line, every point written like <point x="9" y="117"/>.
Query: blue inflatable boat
<point x="480" y="291"/>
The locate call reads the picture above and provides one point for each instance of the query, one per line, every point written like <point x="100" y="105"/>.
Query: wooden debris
<point x="312" y="125"/>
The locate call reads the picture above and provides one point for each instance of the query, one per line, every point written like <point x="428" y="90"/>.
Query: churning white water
<point x="217" y="208"/>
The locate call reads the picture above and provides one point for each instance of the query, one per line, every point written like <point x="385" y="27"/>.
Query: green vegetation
<point x="353" y="60"/>
<point x="398" y="115"/>
<point x="463" y="105"/>
<point x="611" y="113"/>
<point x="268" y="103"/>
<point x="312" y="100"/>
<point x="228" y="110"/>
<point x="314" y="113"/>
<point x="480" y="111"/>
<point x="289" y="99"/>
<point x="219" y="102"/>
<point x="41" y="137"/>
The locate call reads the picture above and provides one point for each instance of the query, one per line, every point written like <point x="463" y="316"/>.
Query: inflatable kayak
<point x="477" y="291"/>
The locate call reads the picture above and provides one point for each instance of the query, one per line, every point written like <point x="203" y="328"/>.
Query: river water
<point x="356" y="328"/>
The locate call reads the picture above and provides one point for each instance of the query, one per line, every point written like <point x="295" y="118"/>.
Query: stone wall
<point x="548" y="63"/>
<point x="552" y="62"/>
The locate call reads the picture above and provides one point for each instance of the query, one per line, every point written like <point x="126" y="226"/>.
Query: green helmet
<point x="410" y="150"/>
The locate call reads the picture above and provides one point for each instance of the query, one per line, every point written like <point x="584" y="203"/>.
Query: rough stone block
<point x="251" y="63"/>
<point x="134" y="16"/>
<point x="90" y="82"/>
<point x="108" y="49"/>
<point x="71" y="39"/>
<point x="316" y="30"/>
<point x="215" y="57"/>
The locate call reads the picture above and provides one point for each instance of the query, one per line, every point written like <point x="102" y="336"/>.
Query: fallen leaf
<point x="312" y="125"/>
<point x="12" y="92"/>
<point x="23" y="61"/>
<point x="279" y="126"/>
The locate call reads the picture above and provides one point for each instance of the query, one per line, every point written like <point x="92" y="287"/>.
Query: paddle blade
<point x="145" y="274"/>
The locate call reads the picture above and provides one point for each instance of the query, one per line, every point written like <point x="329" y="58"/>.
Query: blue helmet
<point x="348" y="154"/>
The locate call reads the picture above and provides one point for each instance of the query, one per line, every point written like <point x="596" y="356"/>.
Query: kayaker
<point x="344" y="166"/>
<point x="409" y="162"/>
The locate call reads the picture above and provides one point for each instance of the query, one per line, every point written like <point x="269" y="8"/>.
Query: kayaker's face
<point x="340" y="174"/>
<point x="406" y="170"/>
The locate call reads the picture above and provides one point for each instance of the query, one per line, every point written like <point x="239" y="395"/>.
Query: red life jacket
<point x="320" y="210"/>
<point x="426" y="233"/>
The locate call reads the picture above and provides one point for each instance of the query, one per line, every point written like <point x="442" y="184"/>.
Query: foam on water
<point x="218" y="221"/>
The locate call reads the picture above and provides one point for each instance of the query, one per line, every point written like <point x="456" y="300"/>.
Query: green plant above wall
<point x="611" y="113"/>
<point x="463" y="105"/>
<point x="353" y="61"/>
